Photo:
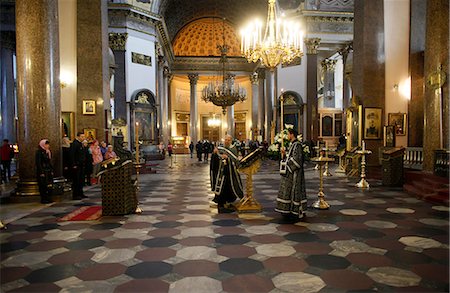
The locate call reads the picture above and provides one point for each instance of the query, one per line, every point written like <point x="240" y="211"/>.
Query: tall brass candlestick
<point x="136" y="135"/>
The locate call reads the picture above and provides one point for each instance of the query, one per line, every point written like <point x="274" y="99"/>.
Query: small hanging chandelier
<point x="213" y="121"/>
<point x="227" y="93"/>
<point x="282" y="43"/>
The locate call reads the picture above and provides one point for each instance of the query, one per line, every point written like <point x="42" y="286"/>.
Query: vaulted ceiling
<point x="178" y="13"/>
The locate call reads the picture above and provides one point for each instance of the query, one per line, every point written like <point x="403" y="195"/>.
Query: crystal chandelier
<point x="282" y="43"/>
<point x="213" y="121"/>
<point x="227" y="93"/>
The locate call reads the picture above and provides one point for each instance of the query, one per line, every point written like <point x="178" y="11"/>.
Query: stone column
<point x="117" y="43"/>
<point x="38" y="87"/>
<point x="269" y="97"/>
<point x="329" y="66"/>
<point x="436" y="133"/>
<point x="160" y="95"/>
<point x="165" y="102"/>
<point x="368" y="77"/>
<point x="8" y="46"/>
<point x="312" y="111"/>
<point x="347" y="77"/>
<point x="193" y="78"/>
<point x="92" y="63"/>
<point x="416" y="65"/>
<point x="255" y="104"/>
<point x="261" y="76"/>
<point x="169" y="104"/>
<point x="230" y="110"/>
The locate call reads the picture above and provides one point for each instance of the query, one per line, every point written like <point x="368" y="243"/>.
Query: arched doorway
<point x="293" y="110"/>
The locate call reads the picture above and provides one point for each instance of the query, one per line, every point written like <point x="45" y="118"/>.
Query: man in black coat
<point x="77" y="159"/>
<point x="199" y="149"/>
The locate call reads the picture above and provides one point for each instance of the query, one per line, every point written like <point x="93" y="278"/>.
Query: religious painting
<point x="90" y="134"/>
<point x="372" y="123"/>
<point x="145" y="125"/>
<point x="327" y="125"/>
<point x="398" y="120"/>
<point x="89" y="107"/>
<point x="389" y="136"/>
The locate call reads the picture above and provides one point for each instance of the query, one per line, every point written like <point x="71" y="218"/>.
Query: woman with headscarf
<point x="44" y="171"/>
<point x="97" y="158"/>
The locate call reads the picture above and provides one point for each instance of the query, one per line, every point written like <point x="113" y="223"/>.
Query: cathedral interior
<point x="364" y="83"/>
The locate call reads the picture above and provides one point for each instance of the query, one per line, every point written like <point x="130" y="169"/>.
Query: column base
<point x="27" y="188"/>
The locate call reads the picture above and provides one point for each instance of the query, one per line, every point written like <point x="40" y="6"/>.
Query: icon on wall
<point x="89" y="107"/>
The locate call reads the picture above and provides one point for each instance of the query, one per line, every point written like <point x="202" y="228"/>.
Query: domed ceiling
<point x="201" y="38"/>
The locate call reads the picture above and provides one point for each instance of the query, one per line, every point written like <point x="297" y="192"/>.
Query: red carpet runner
<point x="87" y="213"/>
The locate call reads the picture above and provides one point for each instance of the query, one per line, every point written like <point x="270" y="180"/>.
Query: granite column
<point x="261" y="106"/>
<point x="436" y="133"/>
<point x="117" y="43"/>
<point x="368" y="75"/>
<point x="38" y="87"/>
<point x="255" y="103"/>
<point x="312" y="111"/>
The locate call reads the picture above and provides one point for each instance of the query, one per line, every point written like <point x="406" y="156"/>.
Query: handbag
<point x="283" y="165"/>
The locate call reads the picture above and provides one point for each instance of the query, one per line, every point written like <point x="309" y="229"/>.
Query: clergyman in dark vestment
<point x="291" y="200"/>
<point x="228" y="182"/>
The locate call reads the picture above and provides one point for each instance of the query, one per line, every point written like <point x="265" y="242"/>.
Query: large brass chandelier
<point x="282" y="42"/>
<point x="227" y="93"/>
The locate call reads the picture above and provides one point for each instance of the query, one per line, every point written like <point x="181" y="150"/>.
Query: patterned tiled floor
<point x="378" y="240"/>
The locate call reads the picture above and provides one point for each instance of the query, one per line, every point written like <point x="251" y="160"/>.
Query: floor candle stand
<point x="363" y="182"/>
<point x="320" y="203"/>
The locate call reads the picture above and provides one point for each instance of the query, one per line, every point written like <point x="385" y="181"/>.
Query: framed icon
<point x="389" y="136"/>
<point x="90" y="134"/>
<point x="399" y="121"/>
<point x="89" y="107"/>
<point x="372" y="123"/>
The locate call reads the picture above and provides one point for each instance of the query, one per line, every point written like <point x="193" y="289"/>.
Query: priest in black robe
<point x="291" y="200"/>
<point x="228" y="185"/>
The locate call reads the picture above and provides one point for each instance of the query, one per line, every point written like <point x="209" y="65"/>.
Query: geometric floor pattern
<point x="376" y="240"/>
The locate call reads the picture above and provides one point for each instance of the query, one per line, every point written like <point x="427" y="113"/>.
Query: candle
<point x="363" y="145"/>
<point x="137" y="142"/>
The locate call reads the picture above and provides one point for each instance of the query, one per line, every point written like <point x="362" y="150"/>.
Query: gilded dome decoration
<point x="201" y="38"/>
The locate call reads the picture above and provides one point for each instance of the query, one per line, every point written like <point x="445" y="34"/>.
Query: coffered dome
<point x="201" y="38"/>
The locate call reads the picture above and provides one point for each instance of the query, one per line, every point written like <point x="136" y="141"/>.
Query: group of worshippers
<point x="226" y="183"/>
<point x="81" y="160"/>
<point x="204" y="148"/>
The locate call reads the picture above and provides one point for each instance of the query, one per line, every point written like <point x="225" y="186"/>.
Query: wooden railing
<point x="441" y="162"/>
<point x="413" y="158"/>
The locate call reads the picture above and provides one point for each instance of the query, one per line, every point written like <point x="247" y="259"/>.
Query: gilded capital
<point x="312" y="44"/>
<point x="328" y="64"/>
<point x="117" y="41"/>
<point x="193" y="78"/>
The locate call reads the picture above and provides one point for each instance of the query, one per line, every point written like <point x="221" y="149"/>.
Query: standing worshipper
<point x="214" y="170"/>
<point x="228" y="185"/>
<point x="191" y="148"/>
<point x="97" y="158"/>
<point x="291" y="200"/>
<point x="169" y="148"/>
<point x="110" y="154"/>
<point x="44" y="171"/>
<point x="77" y="159"/>
<point x="205" y="150"/>
<point x="6" y="153"/>
<point x="198" y="148"/>
<point x="103" y="148"/>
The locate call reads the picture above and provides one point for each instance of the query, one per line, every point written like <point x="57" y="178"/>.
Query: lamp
<point x="213" y="121"/>
<point x="282" y="43"/>
<point x="227" y="93"/>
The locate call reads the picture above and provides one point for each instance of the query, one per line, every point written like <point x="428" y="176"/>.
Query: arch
<point x="287" y="95"/>
<point x="143" y="98"/>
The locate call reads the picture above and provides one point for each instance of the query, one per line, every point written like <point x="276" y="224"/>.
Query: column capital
<point x="166" y="72"/>
<point x="261" y="73"/>
<point x="193" y="78"/>
<point x="254" y="78"/>
<point x="117" y="41"/>
<point x="312" y="44"/>
<point x="328" y="64"/>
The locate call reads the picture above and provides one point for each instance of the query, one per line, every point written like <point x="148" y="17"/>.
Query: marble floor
<point x="376" y="240"/>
